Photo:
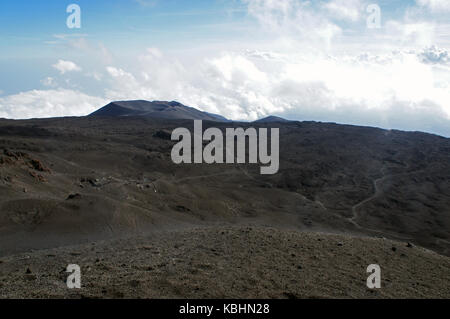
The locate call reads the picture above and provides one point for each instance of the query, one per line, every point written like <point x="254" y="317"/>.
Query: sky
<point x="382" y="63"/>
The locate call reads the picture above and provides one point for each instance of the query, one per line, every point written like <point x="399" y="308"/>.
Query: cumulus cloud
<point x="48" y="103"/>
<point x="400" y="89"/>
<point x="66" y="66"/>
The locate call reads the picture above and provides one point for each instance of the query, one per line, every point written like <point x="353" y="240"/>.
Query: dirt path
<point x="378" y="191"/>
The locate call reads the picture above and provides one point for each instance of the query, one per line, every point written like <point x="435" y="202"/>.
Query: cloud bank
<point x="48" y="103"/>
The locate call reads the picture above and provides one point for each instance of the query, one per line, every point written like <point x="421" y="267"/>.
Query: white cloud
<point x="401" y="89"/>
<point x="345" y="9"/>
<point x="412" y="34"/>
<point x="435" y="5"/>
<point x="66" y="66"/>
<point x="118" y="73"/>
<point x="295" y="19"/>
<point x="48" y="103"/>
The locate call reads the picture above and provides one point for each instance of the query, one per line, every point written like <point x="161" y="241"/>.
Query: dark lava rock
<point x="74" y="196"/>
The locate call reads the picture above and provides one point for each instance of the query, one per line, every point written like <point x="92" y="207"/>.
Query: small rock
<point x="340" y="244"/>
<point x="181" y="208"/>
<point x="73" y="196"/>
<point x="409" y="245"/>
<point x="37" y="165"/>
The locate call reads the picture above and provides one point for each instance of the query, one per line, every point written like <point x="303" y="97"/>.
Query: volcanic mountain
<point x="156" y="109"/>
<point x="272" y="119"/>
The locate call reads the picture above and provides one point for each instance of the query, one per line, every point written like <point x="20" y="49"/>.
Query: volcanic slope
<point x="155" y="109"/>
<point x="70" y="181"/>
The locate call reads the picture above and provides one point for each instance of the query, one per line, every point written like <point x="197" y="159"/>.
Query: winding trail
<point x="378" y="192"/>
<point x="356" y="209"/>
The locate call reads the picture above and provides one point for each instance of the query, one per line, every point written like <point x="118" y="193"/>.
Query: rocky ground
<point x="231" y="262"/>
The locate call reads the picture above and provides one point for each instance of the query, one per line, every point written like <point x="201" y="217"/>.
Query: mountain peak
<point x="272" y="119"/>
<point x="156" y="109"/>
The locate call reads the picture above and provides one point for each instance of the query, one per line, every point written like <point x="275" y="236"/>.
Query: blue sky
<point x="28" y="30"/>
<point x="29" y="24"/>
<point x="306" y="60"/>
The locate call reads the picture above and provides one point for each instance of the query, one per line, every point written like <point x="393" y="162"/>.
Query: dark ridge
<point x="272" y="119"/>
<point x="156" y="109"/>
